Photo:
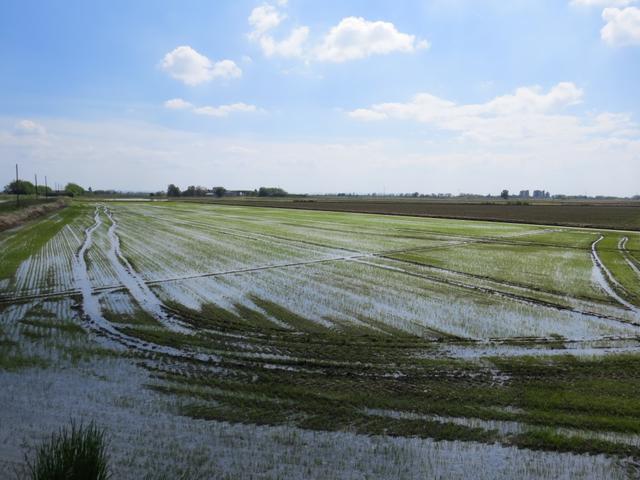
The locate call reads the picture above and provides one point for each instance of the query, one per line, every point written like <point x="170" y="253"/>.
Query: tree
<point x="219" y="191"/>
<point x="271" y="192"/>
<point x="73" y="189"/>
<point x="505" y="194"/>
<point x="173" y="191"/>
<point x="20" y="187"/>
<point x="193" y="191"/>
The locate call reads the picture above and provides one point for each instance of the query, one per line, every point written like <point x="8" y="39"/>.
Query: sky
<point x="448" y="96"/>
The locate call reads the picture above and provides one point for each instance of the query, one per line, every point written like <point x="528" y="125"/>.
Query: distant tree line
<point x="271" y="192"/>
<point x="199" y="191"/>
<point x="24" y="187"/>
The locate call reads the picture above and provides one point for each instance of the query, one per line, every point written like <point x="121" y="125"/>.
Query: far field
<point x="613" y="214"/>
<point x="397" y="346"/>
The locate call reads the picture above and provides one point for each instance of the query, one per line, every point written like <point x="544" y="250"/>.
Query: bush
<point x="73" y="453"/>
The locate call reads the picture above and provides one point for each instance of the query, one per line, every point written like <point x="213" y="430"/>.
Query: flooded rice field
<point x="230" y="341"/>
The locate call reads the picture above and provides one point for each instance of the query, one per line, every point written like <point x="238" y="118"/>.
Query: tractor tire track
<point x="605" y="279"/>
<point x="136" y="285"/>
<point x="92" y="314"/>
<point x="622" y="246"/>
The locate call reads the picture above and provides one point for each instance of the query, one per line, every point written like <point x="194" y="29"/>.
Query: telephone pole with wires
<point x="17" y="188"/>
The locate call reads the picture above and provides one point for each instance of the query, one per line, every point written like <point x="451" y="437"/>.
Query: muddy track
<point x="95" y="321"/>
<point x="136" y="285"/>
<point x="630" y="259"/>
<point x="607" y="281"/>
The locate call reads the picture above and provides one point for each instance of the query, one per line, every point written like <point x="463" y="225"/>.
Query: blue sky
<point x="358" y="96"/>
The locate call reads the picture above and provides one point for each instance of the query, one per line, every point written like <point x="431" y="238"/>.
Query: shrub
<point x="73" y="453"/>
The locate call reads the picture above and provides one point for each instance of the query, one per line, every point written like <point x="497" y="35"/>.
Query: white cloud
<point x="177" y="104"/>
<point x="292" y="46"/>
<point x="192" y="68"/>
<point x="354" y="38"/>
<point x="264" y="18"/>
<point x="528" y="113"/>
<point x="531" y="99"/>
<point x="425" y="107"/>
<point x="225" y="110"/>
<point x="622" y="26"/>
<point x="367" y="115"/>
<point x="219" y="111"/>
<point x="153" y="156"/>
<point x="351" y="39"/>
<point x="29" y="127"/>
<point x="602" y="3"/>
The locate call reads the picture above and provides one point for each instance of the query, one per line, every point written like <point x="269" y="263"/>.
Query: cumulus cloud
<point x="354" y="38"/>
<point x="29" y="127"/>
<point x="426" y="107"/>
<point x="177" y="104"/>
<point x="211" y="111"/>
<point x="264" y="18"/>
<point x="622" y="27"/>
<point x="292" y="46"/>
<point x="528" y="112"/>
<point x="192" y="68"/>
<point x="351" y="39"/>
<point x="532" y="99"/>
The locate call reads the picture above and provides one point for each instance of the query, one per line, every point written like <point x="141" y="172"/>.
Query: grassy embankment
<point x="13" y="214"/>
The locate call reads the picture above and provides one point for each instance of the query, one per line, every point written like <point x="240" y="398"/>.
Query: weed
<point x="77" y="452"/>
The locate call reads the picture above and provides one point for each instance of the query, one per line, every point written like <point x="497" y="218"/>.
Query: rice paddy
<point x="424" y="343"/>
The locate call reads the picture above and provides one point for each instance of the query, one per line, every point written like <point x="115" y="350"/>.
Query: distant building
<point x="232" y="193"/>
<point x="541" y="194"/>
<point x="524" y="194"/>
<point x="238" y="193"/>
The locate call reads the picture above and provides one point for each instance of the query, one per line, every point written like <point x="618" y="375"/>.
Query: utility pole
<point x="17" y="188"/>
<point x="36" y="176"/>
<point x="46" y="187"/>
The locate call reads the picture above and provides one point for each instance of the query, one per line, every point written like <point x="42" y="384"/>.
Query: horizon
<point x="344" y="97"/>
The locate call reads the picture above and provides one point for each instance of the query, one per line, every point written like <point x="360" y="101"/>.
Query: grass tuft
<point x="76" y="452"/>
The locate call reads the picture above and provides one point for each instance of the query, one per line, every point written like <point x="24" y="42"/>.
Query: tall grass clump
<point x="76" y="452"/>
